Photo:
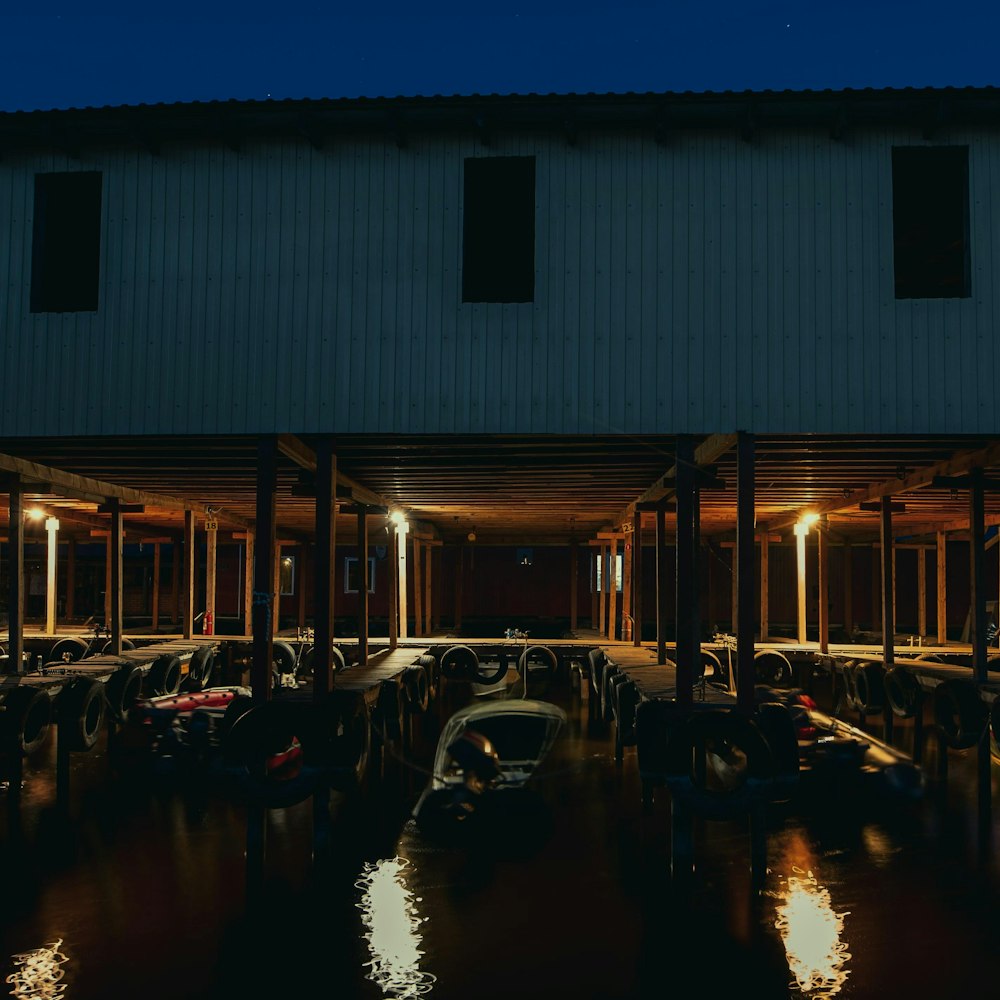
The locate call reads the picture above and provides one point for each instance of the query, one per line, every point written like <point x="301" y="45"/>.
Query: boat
<point x="831" y="749"/>
<point x="486" y="758"/>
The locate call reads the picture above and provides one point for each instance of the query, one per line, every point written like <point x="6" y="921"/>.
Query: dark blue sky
<point x="129" y="53"/>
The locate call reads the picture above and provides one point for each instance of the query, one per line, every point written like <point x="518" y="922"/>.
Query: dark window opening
<point x="930" y="222"/>
<point x="66" y="242"/>
<point x="498" y="241"/>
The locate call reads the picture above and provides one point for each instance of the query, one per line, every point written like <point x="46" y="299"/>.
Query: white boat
<point x="522" y="732"/>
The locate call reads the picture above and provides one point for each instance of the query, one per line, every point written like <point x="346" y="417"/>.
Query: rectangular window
<point x="930" y="221"/>
<point x="498" y="236"/>
<point x="352" y="575"/>
<point x="618" y="574"/>
<point x="66" y="242"/>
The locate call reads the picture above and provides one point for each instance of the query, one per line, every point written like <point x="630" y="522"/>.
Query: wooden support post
<point x="263" y="575"/>
<point x="276" y="588"/>
<point x="888" y="603"/>
<point x="437" y="555"/>
<point x="686" y="574"/>
<point x="595" y="556"/>
<point x="418" y="588"/>
<point x="734" y="591"/>
<point x="71" y="580"/>
<point x="800" y="579"/>
<point x="363" y="595"/>
<point x="823" y="560"/>
<point x="15" y="577"/>
<point x="637" y="578"/>
<point x="211" y="559"/>
<point x="848" y="571"/>
<point x="175" y="583"/>
<point x="301" y="584"/>
<point x="764" y="623"/>
<point x="108" y="583"/>
<point x="115" y="543"/>
<point x="876" y="589"/>
<point x="942" y="589"/>
<point x="428" y="586"/>
<point x="888" y="590"/>
<point x="574" y="583"/>
<point x="459" y="581"/>
<point x="602" y="610"/>
<point x="404" y="624"/>
<point x="325" y="567"/>
<point x="613" y="590"/>
<point x="628" y="546"/>
<point x="743" y="573"/>
<point x="248" y="577"/>
<point x="393" y="586"/>
<point x="977" y="580"/>
<point x="922" y="593"/>
<point x="154" y="623"/>
<point x="661" y="586"/>
<point x="52" y="576"/>
<point x="189" y="570"/>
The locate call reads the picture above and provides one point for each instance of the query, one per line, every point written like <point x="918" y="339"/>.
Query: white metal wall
<point x="709" y="284"/>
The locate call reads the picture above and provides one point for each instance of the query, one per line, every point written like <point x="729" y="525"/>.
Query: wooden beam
<point x="71" y="580"/>
<point x="957" y="464"/>
<point x="459" y="582"/>
<point x="706" y="453"/>
<point x="951" y="525"/>
<point x="248" y="571"/>
<point x="303" y="456"/>
<point x="393" y="587"/>
<point x="743" y="573"/>
<point x="70" y="482"/>
<point x="888" y="585"/>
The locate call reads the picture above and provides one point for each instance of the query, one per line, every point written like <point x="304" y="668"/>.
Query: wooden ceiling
<point x="505" y="489"/>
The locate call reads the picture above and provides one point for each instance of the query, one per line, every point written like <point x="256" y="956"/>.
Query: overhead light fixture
<point x="35" y="513"/>
<point x="804" y="523"/>
<point x="398" y="518"/>
<point x="472" y="535"/>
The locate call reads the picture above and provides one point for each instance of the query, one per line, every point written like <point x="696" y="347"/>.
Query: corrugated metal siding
<point x="706" y="284"/>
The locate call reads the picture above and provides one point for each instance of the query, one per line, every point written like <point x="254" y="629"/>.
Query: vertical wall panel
<point x="704" y="284"/>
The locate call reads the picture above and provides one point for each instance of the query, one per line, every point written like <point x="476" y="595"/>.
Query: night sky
<point x="130" y="53"/>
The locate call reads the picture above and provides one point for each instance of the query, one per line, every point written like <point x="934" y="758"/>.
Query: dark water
<point x="145" y="881"/>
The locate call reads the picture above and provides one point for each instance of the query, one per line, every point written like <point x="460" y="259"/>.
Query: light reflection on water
<point x="38" y="973"/>
<point x="810" y="930"/>
<point x="390" y="915"/>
